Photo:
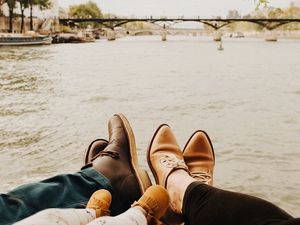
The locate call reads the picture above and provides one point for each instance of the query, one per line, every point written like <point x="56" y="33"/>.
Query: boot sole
<point x="141" y="175"/>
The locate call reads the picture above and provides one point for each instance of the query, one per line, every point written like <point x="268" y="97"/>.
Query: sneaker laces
<point x="113" y="154"/>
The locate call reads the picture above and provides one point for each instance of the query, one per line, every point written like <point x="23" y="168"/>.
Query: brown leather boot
<point x="164" y="157"/>
<point x="118" y="162"/>
<point x="199" y="156"/>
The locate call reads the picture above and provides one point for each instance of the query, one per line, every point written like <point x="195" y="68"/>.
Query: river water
<point x="54" y="100"/>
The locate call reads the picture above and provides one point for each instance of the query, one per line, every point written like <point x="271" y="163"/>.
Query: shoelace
<point x="114" y="155"/>
<point x="171" y="161"/>
<point x="202" y="176"/>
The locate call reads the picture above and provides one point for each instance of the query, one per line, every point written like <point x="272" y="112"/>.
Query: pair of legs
<point x="113" y="166"/>
<point x="151" y="206"/>
<point x="206" y="205"/>
<point x="195" y="201"/>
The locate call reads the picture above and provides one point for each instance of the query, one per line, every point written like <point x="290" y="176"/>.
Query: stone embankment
<point x="42" y="26"/>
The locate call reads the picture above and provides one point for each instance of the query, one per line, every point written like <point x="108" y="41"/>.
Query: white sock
<point x="132" y="216"/>
<point x="60" y="217"/>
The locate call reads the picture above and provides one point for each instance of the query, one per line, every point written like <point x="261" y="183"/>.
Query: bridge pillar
<point x="164" y="35"/>
<point x="217" y="36"/>
<point x="111" y="35"/>
<point x="270" y="35"/>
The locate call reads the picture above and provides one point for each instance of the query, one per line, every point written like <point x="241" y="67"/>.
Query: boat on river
<point x="7" y="39"/>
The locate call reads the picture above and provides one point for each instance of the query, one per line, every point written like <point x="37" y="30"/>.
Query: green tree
<point x="11" y="6"/>
<point x="291" y="12"/>
<point x="1" y="3"/>
<point x="23" y="5"/>
<point x="261" y="2"/>
<point x="87" y="10"/>
<point x="42" y="4"/>
<point x="276" y="13"/>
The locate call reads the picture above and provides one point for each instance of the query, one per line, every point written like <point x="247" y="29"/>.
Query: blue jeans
<point x="62" y="191"/>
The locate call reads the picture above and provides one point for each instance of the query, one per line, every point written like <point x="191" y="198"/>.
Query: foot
<point x="119" y="164"/>
<point x="164" y="157"/>
<point x="154" y="203"/>
<point x="199" y="156"/>
<point x="100" y="202"/>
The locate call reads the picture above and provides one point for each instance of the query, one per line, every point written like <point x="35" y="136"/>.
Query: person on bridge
<point x="187" y="176"/>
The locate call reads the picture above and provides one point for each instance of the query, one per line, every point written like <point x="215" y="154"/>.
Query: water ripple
<point x="55" y="99"/>
<point x="17" y="139"/>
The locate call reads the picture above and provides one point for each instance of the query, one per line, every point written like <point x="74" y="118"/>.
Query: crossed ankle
<point x="100" y="201"/>
<point x="153" y="203"/>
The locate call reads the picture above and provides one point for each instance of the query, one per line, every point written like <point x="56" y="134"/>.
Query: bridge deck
<point x="214" y="23"/>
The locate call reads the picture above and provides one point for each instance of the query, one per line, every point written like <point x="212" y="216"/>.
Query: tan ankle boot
<point x="100" y="201"/>
<point x="164" y="157"/>
<point x="199" y="156"/>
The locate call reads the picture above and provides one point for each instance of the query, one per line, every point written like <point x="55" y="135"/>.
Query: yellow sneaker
<point x="100" y="201"/>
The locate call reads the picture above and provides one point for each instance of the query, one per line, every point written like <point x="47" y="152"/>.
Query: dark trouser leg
<point x="63" y="191"/>
<point x="291" y="222"/>
<point x="207" y="205"/>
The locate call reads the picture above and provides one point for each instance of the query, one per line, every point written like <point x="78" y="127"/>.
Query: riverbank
<point x="43" y="26"/>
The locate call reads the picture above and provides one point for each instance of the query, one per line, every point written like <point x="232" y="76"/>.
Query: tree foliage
<point x="23" y="5"/>
<point x="10" y="3"/>
<point x="42" y="4"/>
<point x="272" y="13"/>
<point x="1" y="3"/>
<point x="11" y="6"/>
<point x="87" y="10"/>
<point x="261" y="2"/>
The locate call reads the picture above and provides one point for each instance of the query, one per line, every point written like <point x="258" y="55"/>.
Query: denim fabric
<point x="62" y="191"/>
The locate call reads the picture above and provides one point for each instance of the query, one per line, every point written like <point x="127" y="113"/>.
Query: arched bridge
<point x="217" y="24"/>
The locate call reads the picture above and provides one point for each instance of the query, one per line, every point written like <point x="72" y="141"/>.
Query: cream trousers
<point x="132" y="216"/>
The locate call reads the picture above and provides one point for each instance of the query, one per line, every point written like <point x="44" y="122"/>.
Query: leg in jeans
<point x="115" y="169"/>
<point x="97" y="206"/>
<point x="206" y="205"/>
<point x="63" y="191"/>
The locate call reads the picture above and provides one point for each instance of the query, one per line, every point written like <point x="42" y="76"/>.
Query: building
<point x="297" y="3"/>
<point x="233" y="14"/>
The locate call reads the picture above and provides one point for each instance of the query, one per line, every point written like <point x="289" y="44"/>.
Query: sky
<point x="175" y="8"/>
